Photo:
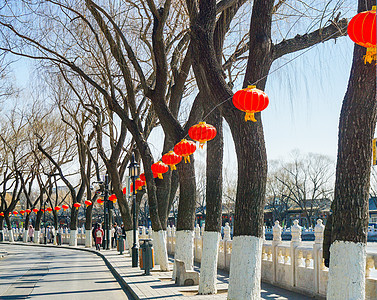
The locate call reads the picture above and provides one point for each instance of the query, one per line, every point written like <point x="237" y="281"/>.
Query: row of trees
<point x="118" y="69"/>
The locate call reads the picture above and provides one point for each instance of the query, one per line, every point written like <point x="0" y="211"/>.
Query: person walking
<point x="99" y="236"/>
<point x="30" y="232"/>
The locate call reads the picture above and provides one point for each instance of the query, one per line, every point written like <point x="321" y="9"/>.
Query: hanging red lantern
<point x="22" y="212"/>
<point x="49" y="209"/>
<point x="88" y="202"/>
<point x="362" y="30"/>
<point x="42" y="210"/>
<point x="28" y="211"/>
<point x="185" y="148"/>
<point x="124" y="190"/>
<point x="250" y="100"/>
<point x="2" y="214"/>
<point x="15" y="213"/>
<point x="142" y="177"/>
<point x="202" y="133"/>
<point x="35" y="210"/>
<point x="77" y="205"/>
<point x="57" y="208"/>
<point x="100" y="201"/>
<point x="65" y="207"/>
<point x="139" y="184"/>
<point x="159" y="168"/>
<point x="113" y="198"/>
<point x="171" y="159"/>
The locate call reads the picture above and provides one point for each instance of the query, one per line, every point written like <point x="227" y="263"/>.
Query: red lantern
<point x="49" y="209"/>
<point x="42" y="210"/>
<point x="185" y="148"/>
<point x="159" y="168"/>
<point x="100" y="201"/>
<point x="171" y="159"/>
<point x="250" y="100"/>
<point x="88" y="202"/>
<point x="28" y="211"/>
<point x="35" y="210"/>
<point x="2" y="214"/>
<point x="22" y="212"/>
<point x="65" y="207"/>
<point x="15" y="213"/>
<point x="113" y="198"/>
<point x="139" y="184"/>
<point x="57" y="208"/>
<point x="202" y="133"/>
<point x="124" y="190"/>
<point x="142" y="177"/>
<point x="77" y="205"/>
<point x="362" y="30"/>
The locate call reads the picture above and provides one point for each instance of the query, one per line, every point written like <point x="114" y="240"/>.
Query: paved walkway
<point x="159" y="285"/>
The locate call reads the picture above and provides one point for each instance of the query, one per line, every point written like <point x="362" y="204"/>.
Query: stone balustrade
<point x="294" y="265"/>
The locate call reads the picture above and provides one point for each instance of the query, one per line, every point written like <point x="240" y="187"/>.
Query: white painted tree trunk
<point x="130" y="240"/>
<point x="160" y="249"/>
<point x="37" y="237"/>
<point x="24" y="236"/>
<point x="208" y="269"/>
<point x="184" y="249"/>
<point x="10" y="236"/>
<point x="88" y="239"/>
<point x="245" y="268"/>
<point x="73" y="238"/>
<point x="347" y="271"/>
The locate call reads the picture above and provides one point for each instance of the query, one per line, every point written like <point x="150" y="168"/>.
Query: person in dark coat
<point x="99" y="237"/>
<point x="94" y="232"/>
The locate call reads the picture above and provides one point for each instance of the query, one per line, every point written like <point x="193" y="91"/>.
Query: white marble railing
<point x="294" y="265"/>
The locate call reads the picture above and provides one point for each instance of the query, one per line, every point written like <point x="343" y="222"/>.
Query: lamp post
<point x="44" y="222"/>
<point x="133" y="169"/>
<point x="106" y="212"/>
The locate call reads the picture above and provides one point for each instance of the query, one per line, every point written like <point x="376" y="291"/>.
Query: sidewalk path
<point x="159" y="285"/>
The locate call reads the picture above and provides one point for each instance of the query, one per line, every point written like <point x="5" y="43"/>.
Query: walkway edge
<point x="113" y="271"/>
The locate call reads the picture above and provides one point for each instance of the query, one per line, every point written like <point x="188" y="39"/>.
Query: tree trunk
<point x="186" y="215"/>
<point x="350" y="207"/>
<point x="211" y="237"/>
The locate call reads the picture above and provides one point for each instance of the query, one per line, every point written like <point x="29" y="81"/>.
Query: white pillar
<point x="24" y="236"/>
<point x="73" y="238"/>
<point x="245" y="268"/>
<point x="10" y="237"/>
<point x="276" y="241"/>
<point x="318" y="233"/>
<point x="347" y="271"/>
<point x="37" y="237"/>
<point x="88" y="239"/>
<point x="295" y="242"/>
<point x="208" y="269"/>
<point x="160" y="249"/>
<point x="184" y="249"/>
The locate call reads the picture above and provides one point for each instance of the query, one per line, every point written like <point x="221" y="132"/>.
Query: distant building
<point x="373" y="210"/>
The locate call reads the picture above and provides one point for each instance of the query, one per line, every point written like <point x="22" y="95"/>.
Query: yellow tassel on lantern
<point x="250" y="117"/>
<point x="173" y="167"/>
<point x="187" y="159"/>
<point x="160" y="176"/>
<point x="370" y="56"/>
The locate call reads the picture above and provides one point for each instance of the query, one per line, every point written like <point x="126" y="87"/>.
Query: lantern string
<point x="269" y="73"/>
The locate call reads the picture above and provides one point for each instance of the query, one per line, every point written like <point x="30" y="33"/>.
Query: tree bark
<point x="350" y="207"/>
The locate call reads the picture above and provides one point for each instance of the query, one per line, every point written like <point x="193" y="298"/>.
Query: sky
<point x="305" y="101"/>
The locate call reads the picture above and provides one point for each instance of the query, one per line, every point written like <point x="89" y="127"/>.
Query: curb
<point x="113" y="271"/>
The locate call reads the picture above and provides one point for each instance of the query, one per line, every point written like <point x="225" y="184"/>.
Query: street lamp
<point x="133" y="172"/>
<point x="106" y="208"/>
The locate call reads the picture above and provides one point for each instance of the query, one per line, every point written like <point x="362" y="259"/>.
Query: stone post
<point x="168" y="238"/>
<point x="318" y="233"/>
<point x="196" y="241"/>
<point x="150" y="232"/>
<point x="295" y="242"/>
<point x="173" y="237"/>
<point x="143" y="232"/>
<point x="227" y="232"/>
<point x="276" y="241"/>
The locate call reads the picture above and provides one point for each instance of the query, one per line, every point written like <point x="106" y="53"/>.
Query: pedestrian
<point x="113" y="236"/>
<point x="99" y="236"/>
<point x="94" y="232"/>
<point x="30" y="232"/>
<point x="59" y="235"/>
